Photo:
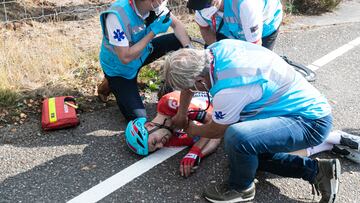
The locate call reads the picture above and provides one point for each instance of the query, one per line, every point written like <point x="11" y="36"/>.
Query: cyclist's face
<point x="158" y="138"/>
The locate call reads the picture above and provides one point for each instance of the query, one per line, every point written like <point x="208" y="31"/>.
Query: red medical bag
<point x="59" y="112"/>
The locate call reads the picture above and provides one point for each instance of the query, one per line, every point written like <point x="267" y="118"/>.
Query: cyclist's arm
<point x="210" y="146"/>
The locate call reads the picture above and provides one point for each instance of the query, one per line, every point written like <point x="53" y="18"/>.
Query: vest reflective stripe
<point x="230" y="19"/>
<point x="134" y="29"/>
<point x="125" y="20"/>
<point x="233" y="72"/>
<point x="108" y="46"/>
<point x="285" y="92"/>
<point x="235" y="5"/>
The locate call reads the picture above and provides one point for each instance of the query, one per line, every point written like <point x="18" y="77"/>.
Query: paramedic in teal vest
<point x="262" y="109"/>
<point x="255" y="21"/>
<point x="131" y="40"/>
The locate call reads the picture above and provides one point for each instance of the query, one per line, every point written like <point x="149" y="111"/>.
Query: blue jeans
<point x="262" y="145"/>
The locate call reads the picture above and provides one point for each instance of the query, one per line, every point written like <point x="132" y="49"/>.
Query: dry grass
<point x="43" y="56"/>
<point x="56" y="58"/>
<point x="37" y="57"/>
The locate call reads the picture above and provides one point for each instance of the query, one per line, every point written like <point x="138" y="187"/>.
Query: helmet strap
<point x="160" y="126"/>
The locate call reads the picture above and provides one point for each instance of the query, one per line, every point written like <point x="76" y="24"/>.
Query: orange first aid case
<point x="59" y="112"/>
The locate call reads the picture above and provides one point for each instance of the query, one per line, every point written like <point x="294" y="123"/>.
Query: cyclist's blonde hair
<point x="182" y="66"/>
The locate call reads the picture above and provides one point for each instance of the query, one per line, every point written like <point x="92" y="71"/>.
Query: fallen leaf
<point x="22" y="115"/>
<point x="89" y="167"/>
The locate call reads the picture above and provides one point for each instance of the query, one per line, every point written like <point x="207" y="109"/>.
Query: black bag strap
<point x="72" y="99"/>
<point x="220" y="26"/>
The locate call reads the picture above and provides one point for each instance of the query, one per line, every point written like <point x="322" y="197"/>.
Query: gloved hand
<point x="179" y="140"/>
<point x="158" y="26"/>
<point x="190" y="161"/>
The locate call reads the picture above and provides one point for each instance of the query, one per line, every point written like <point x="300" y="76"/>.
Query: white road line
<point x="118" y="180"/>
<point x="334" y="54"/>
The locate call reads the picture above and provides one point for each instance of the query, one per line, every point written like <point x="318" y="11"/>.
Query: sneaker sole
<point x="347" y="152"/>
<point x="231" y="201"/>
<point x="336" y="169"/>
<point x="350" y="141"/>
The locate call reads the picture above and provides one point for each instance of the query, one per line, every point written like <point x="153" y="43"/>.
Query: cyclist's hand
<point x="191" y="161"/>
<point x="180" y="120"/>
<point x="158" y="26"/>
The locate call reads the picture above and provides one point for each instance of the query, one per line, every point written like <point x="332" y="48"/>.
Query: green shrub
<point x="310" y="7"/>
<point x="8" y="98"/>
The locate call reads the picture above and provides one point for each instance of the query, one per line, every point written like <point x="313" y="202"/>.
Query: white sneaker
<point x="347" y="152"/>
<point x="349" y="140"/>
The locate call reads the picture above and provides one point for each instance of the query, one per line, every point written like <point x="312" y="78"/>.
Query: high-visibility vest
<point x="232" y="27"/>
<point x="285" y="92"/>
<point x="134" y="29"/>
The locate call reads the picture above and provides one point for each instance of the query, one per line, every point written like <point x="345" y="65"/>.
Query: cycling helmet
<point x="136" y="136"/>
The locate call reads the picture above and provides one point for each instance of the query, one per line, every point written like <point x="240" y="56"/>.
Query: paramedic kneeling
<point x="262" y="108"/>
<point x="130" y="41"/>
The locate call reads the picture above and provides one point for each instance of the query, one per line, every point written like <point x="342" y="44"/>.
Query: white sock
<point x="334" y="137"/>
<point x="319" y="148"/>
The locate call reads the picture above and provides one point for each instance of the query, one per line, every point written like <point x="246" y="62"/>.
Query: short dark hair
<point x="198" y="4"/>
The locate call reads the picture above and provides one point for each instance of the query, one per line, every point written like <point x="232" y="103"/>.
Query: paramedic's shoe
<point x="347" y="152"/>
<point x="349" y="140"/>
<point x="222" y="193"/>
<point x="327" y="179"/>
<point x="103" y="90"/>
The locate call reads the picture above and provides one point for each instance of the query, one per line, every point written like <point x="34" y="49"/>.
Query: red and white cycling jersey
<point x="169" y="103"/>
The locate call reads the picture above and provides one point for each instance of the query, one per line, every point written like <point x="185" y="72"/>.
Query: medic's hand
<point x="180" y="121"/>
<point x="191" y="161"/>
<point x="158" y="26"/>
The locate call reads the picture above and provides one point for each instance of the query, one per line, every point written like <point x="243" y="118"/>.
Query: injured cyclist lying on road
<point x="144" y="136"/>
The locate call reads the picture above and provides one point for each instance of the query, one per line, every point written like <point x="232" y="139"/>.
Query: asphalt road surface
<point x="58" y="166"/>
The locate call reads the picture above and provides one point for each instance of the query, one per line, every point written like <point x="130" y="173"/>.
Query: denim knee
<point x="229" y="139"/>
<point x="236" y="140"/>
